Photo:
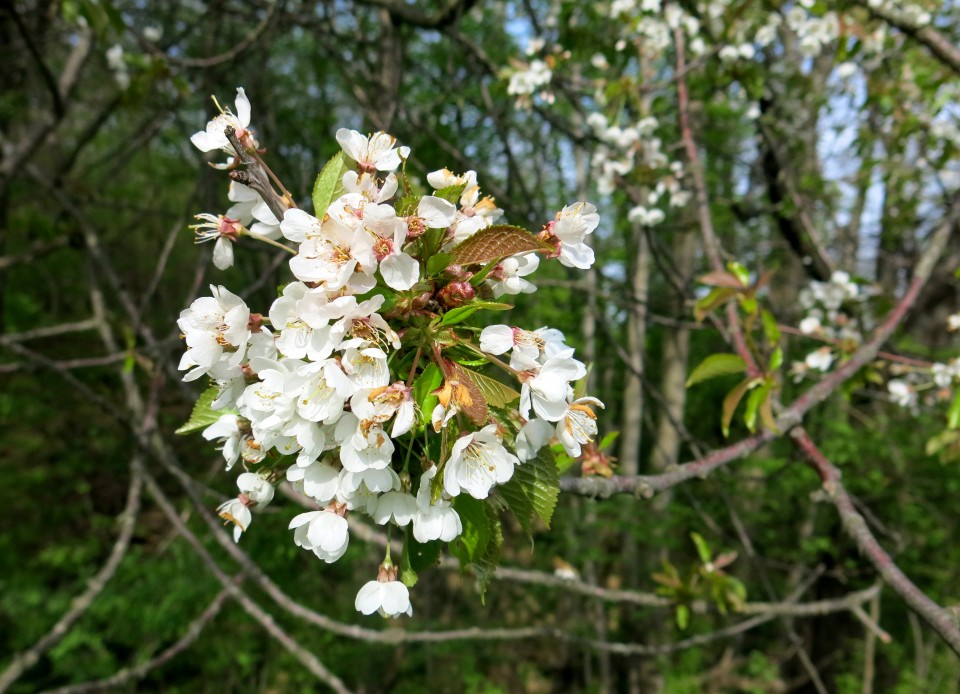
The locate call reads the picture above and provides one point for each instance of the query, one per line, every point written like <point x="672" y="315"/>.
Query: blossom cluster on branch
<point x="364" y="385"/>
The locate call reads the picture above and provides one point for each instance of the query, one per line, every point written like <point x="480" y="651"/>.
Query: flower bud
<point x="457" y="294"/>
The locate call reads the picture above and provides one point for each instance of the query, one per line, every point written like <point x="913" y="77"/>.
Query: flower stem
<point x="271" y="242"/>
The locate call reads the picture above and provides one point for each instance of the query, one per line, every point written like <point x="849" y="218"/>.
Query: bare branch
<point x="138" y="672"/>
<point x="855" y="525"/>
<point x="95" y="586"/>
<point x="306" y="658"/>
<point x="938" y="44"/>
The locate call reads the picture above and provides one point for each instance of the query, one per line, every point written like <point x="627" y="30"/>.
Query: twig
<point x="937" y="617"/>
<point x="306" y="658"/>
<point x="140" y="671"/>
<point x="80" y="604"/>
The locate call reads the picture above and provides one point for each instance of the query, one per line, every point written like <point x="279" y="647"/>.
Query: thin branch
<point x="646" y="485"/>
<point x="138" y="672"/>
<point x="306" y="658"/>
<point x="95" y="586"/>
<point x="51" y="331"/>
<point x="939" y="45"/>
<point x="937" y="617"/>
<point x="214" y="60"/>
<point x="710" y="241"/>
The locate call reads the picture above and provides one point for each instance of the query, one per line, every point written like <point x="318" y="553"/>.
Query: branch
<point x="306" y="658"/>
<point x="645" y="486"/>
<point x="939" y="45"/>
<point x="407" y="13"/>
<point x="138" y="672"/>
<point x="855" y="525"/>
<point x="80" y="604"/>
<point x="710" y="241"/>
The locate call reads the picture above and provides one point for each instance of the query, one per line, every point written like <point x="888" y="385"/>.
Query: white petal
<point x="400" y="271"/>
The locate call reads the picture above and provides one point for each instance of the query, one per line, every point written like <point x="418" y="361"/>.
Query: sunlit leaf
<point x="328" y="186"/>
<point x="533" y="490"/>
<point x="496" y="394"/>
<point x="717" y="365"/>
<point x="495" y="242"/>
<point x="203" y="414"/>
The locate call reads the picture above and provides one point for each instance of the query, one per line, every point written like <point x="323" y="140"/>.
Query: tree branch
<point x="856" y="527"/>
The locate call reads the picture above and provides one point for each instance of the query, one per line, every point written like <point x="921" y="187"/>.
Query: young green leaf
<point x="328" y="185"/>
<point x="496" y="394"/>
<point x="753" y="405"/>
<point x="533" y="490"/>
<point x="953" y="414"/>
<point x="717" y="365"/>
<point x="733" y="399"/>
<point x="438" y="263"/>
<point x="428" y="381"/>
<point x="451" y="193"/>
<point x="203" y="414"/>
<point x="703" y="550"/>
<point x="472" y="543"/>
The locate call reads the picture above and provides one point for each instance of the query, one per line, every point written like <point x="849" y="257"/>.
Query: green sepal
<point x="416" y="557"/>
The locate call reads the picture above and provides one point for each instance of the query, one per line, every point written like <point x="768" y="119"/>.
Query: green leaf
<point x="733" y="399"/>
<point x="776" y="360"/>
<point x="717" y="365"/>
<point x="953" y="414"/>
<point x="703" y="550"/>
<point x="438" y="263"/>
<point x="455" y="315"/>
<point x="485" y="566"/>
<point x="328" y="185"/>
<point x="749" y="304"/>
<point x="608" y="439"/>
<point x="461" y="313"/>
<point x="203" y="414"/>
<point x="451" y="193"/>
<point x="494" y="242"/>
<point x="683" y="616"/>
<point x="715" y="298"/>
<point x="757" y="397"/>
<point x="472" y="542"/>
<point x="770" y="328"/>
<point x="407" y="205"/>
<point x="428" y="381"/>
<point x="740" y="272"/>
<point x="479" y="277"/>
<point x="533" y="490"/>
<point x="496" y="394"/>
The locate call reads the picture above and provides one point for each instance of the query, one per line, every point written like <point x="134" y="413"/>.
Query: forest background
<point x="739" y="151"/>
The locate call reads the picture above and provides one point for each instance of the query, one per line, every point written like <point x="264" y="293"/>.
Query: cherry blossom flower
<point x="374" y="153"/>
<point x="325" y="533"/>
<point x="386" y="595"/>
<point x="477" y="462"/>
<point x="578" y="425"/>
<point x="214" y="138"/>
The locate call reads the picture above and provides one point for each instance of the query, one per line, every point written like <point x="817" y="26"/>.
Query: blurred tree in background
<point x="777" y="182"/>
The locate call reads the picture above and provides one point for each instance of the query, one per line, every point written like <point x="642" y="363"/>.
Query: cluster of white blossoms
<point x="826" y="319"/>
<point x="330" y="390"/>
